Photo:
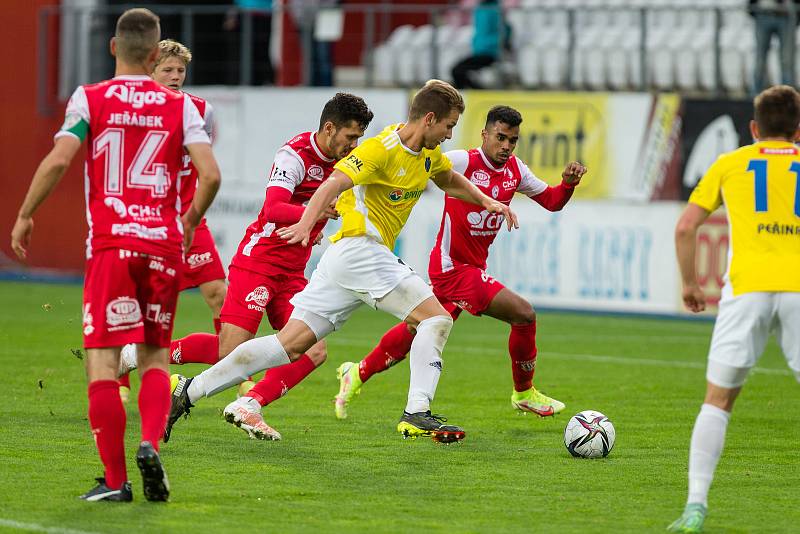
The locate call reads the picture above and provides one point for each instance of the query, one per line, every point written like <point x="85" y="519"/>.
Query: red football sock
<point x="522" y="348"/>
<point x="279" y="380"/>
<point x="154" y="403"/>
<point x="392" y="348"/>
<point x="217" y="325"/>
<point x="125" y="380"/>
<point x="107" y="421"/>
<point x="195" y="348"/>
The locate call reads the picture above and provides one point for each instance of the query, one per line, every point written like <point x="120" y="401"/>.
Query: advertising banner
<point x="628" y="141"/>
<point x="592" y="255"/>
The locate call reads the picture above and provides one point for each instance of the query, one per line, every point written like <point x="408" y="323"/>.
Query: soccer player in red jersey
<point x="266" y="271"/>
<point x="458" y="262"/>
<point x="136" y="131"/>
<point x="202" y="267"/>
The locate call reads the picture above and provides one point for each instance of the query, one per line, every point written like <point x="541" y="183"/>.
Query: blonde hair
<point x="438" y="97"/>
<point x="170" y="48"/>
<point x="137" y="34"/>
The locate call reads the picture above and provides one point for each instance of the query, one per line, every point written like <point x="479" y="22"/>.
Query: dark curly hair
<point x="504" y="114"/>
<point x="343" y="108"/>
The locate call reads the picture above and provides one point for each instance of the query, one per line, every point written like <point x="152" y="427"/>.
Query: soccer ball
<point x="589" y="434"/>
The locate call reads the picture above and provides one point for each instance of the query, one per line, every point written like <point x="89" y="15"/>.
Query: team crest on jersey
<point x="259" y="295"/>
<point x="495" y="191"/>
<point x="123" y="310"/>
<point x="396" y="195"/>
<point x="480" y="178"/>
<point x="427" y="164"/>
<point x="316" y="172"/>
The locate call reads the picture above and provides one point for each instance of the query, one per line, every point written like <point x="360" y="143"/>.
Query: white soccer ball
<point x="589" y="434"/>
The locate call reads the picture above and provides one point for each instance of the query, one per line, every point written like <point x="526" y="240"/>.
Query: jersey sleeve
<point x="708" y="192"/>
<point x="529" y="184"/>
<point x="287" y="170"/>
<point x="364" y="163"/>
<point x="439" y="161"/>
<point x="193" y="124"/>
<point x="459" y="159"/>
<point x="76" y="117"/>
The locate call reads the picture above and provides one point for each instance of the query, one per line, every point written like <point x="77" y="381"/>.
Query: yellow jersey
<point x="760" y="186"/>
<point x="389" y="179"/>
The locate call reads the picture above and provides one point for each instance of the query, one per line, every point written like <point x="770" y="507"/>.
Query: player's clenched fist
<point x="573" y="173"/>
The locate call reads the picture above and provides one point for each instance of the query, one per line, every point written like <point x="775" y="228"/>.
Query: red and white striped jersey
<point x="467" y="231"/>
<point x="299" y="167"/>
<point x="136" y="130"/>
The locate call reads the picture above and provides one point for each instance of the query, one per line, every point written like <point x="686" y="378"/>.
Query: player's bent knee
<point x="524" y="315"/>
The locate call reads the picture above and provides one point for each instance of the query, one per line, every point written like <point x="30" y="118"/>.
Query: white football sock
<point x="426" y="361"/>
<point x="708" y="437"/>
<point x="245" y="360"/>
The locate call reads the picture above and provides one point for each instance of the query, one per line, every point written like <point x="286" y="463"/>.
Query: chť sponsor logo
<point x="509" y="184"/>
<point x="355" y="162"/>
<point x="315" y="172"/>
<point x="123" y="310"/>
<point x="155" y="315"/>
<point x="495" y="191"/>
<point x="259" y="295"/>
<point x="137" y="212"/>
<point x="196" y="260"/>
<point x="137" y="99"/>
<point x="485" y="220"/>
<point x="480" y="178"/>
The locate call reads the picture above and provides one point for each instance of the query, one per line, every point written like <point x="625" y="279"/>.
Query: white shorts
<point x="742" y="330"/>
<point x="355" y="271"/>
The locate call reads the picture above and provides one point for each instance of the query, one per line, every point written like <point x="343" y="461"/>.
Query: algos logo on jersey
<point x="137" y="99"/>
<point x="480" y="178"/>
<point x="260" y="296"/>
<point x="123" y="310"/>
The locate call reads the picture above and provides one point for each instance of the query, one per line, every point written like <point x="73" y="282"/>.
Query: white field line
<point x="601" y="358"/>
<point x="34" y="527"/>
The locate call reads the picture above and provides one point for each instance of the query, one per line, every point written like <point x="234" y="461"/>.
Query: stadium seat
<point x="456" y="50"/>
<point x="384" y="56"/>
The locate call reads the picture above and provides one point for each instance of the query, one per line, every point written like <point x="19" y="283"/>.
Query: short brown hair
<point x="777" y="111"/>
<point x="438" y="97"/>
<point x="170" y="48"/>
<point x="137" y="34"/>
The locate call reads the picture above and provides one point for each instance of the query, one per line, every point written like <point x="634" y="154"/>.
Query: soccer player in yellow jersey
<point x="760" y="185"/>
<point x="379" y="183"/>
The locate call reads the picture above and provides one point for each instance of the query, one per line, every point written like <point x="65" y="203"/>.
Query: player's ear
<point x="112" y="46"/>
<point x="430" y="118"/>
<point x="754" y="130"/>
<point x="152" y="57"/>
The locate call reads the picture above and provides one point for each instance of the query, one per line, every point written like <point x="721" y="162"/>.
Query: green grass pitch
<point x="511" y="474"/>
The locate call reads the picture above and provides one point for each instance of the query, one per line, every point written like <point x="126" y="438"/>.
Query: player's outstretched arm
<point x="457" y="186"/>
<point x="208" y="181"/>
<point x="554" y="198"/>
<point x="685" y="245"/>
<point x="46" y="177"/>
<point x="337" y="183"/>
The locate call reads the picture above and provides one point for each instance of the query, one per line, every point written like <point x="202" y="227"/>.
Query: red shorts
<point x="251" y="295"/>
<point x="128" y="298"/>
<point x="202" y="262"/>
<point x="466" y="287"/>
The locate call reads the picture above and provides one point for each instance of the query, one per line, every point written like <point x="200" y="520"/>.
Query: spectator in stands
<point x="491" y="35"/>
<point x="319" y="53"/>
<point x="779" y="18"/>
<point x="260" y="13"/>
